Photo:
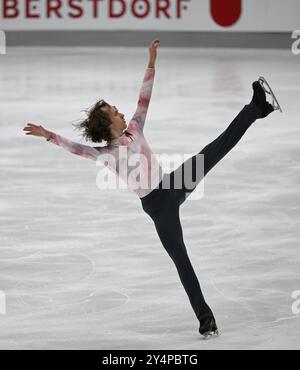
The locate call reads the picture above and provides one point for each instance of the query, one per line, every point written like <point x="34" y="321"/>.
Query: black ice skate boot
<point x="259" y="99"/>
<point x="208" y="327"/>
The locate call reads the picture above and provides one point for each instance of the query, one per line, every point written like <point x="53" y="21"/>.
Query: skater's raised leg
<point x="213" y="152"/>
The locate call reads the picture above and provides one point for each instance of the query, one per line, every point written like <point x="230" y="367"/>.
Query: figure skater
<point x="105" y="123"/>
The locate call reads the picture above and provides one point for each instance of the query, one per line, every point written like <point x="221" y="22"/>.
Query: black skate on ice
<point x="208" y="328"/>
<point x="261" y="89"/>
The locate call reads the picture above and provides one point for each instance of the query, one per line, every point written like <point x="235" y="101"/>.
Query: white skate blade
<point x="211" y="334"/>
<point x="269" y="91"/>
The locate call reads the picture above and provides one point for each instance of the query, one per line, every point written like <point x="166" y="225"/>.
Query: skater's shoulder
<point x="134" y="127"/>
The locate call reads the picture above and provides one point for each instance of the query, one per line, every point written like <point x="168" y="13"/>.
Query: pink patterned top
<point x="129" y="156"/>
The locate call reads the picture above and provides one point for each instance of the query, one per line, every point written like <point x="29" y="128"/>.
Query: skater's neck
<point x="116" y="134"/>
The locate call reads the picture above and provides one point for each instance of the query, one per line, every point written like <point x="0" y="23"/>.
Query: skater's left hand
<point x="153" y="51"/>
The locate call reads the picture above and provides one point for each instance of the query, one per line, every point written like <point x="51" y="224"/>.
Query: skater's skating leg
<point x="169" y="230"/>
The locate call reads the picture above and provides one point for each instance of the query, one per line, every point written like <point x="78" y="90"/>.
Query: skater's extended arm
<point x="146" y="89"/>
<point x="73" y="147"/>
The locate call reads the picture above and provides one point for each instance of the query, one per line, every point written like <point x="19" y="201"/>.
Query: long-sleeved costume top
<point x="128" y="156"/>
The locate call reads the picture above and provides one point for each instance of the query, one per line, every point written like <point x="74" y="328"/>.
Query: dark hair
<point x="95" y="126"/>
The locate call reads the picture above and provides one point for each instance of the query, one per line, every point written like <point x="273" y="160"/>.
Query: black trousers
<point x="162" y="204"/>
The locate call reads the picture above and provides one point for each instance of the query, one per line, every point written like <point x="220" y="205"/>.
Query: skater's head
<point x="103" y="123"/>
<point x="117" y="119"/>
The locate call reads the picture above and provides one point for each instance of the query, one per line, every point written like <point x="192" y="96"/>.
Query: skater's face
<point x="118" y="124"/>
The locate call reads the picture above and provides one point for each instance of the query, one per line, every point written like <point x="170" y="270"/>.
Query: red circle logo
<point x="226" y="12"/>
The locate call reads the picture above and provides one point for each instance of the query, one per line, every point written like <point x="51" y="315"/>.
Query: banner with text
<point x="157" y="15"/>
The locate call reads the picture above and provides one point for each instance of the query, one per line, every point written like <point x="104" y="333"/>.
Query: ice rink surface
<point x="83" y="268"/>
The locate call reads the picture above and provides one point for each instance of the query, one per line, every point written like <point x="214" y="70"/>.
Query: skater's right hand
<point x="36" y="130"/>
<point x="153" y="52"/>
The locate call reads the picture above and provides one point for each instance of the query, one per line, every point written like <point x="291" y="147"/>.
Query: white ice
<point x="83" y="268"/>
